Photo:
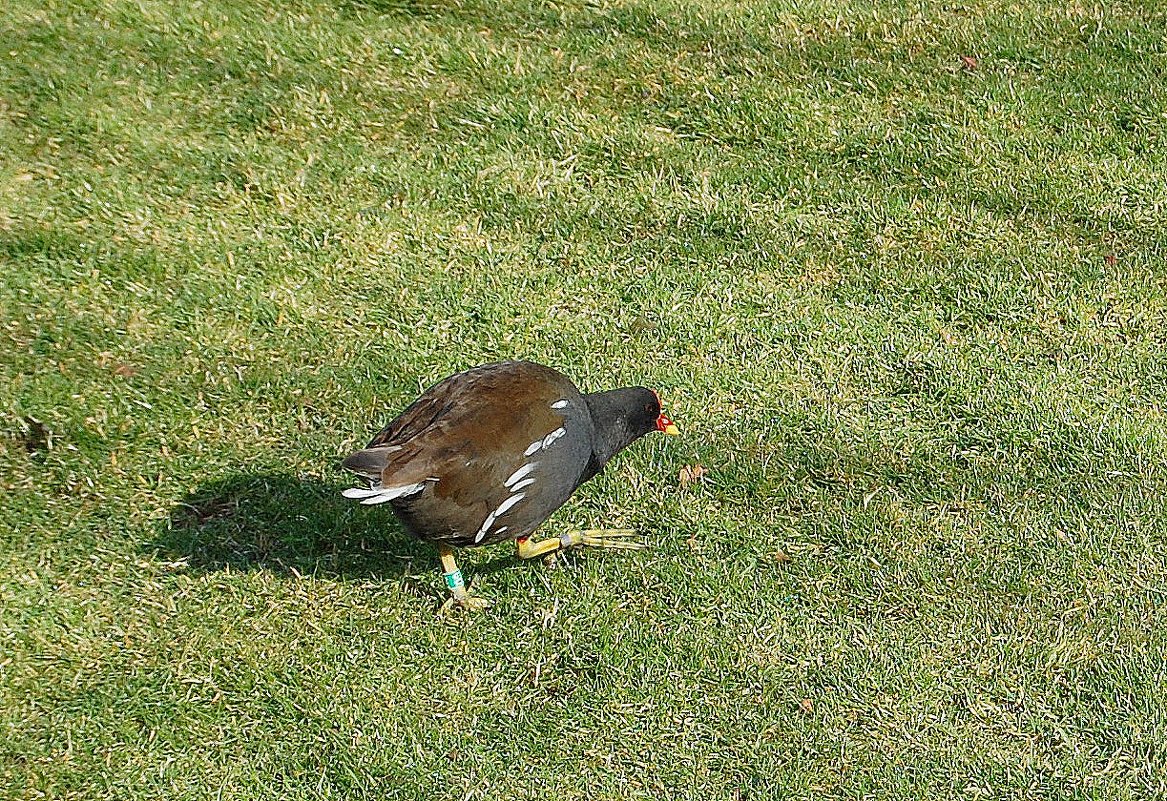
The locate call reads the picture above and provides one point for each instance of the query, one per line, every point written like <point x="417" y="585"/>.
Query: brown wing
<point x="450" y="452"/>
<point x="483" y="397"/>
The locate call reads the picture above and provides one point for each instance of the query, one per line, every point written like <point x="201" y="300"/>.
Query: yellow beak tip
<point x="672" y="430"/>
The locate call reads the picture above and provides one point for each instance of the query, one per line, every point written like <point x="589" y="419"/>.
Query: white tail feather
<point x="377" y="495"/>
<point x="357" y="492"/>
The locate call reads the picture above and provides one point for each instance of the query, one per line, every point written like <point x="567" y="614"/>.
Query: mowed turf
<point x="897" y="270"/>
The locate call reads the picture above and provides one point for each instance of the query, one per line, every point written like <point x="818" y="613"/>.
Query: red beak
<point x="667" y="426"/>
<point x="664" y="424"/>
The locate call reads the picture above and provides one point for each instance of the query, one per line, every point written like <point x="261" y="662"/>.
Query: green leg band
<point x="454" y="581"/>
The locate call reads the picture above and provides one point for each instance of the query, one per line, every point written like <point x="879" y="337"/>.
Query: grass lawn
<point x="897" y="269"/>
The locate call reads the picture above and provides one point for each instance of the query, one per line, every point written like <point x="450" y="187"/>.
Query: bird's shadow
<point x="294" y="525"/>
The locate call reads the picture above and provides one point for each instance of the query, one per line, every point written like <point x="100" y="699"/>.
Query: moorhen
<point x="488" y="454"/>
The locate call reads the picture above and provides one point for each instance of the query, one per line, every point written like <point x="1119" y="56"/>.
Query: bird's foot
<point x="615" y="538"/>
<point x="459" y="597"/>
<point x="466" y="601"/>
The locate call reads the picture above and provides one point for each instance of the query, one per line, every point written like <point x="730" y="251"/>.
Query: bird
<point x="488" y="454"/>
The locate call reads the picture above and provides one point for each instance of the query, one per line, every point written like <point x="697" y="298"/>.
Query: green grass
<point x="911" y="316"/>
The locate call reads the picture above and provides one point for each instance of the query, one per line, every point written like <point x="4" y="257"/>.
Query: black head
<point x="622" y="416"/>
<point x="647" y="415"/>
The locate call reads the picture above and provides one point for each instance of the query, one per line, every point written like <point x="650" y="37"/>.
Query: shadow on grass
<point x="298" y="526"/>
<point x="275" y="521"/>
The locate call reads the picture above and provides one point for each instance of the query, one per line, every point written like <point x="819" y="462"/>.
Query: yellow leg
<point x="616" y="538"/>
<point x="458" y="594"/>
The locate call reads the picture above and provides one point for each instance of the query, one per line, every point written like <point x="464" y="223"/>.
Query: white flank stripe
<point x="547" y="440"/>
<point x="521" y="484"/>
<point x="559" y="404"/>
<point x="508" y="503"/>
<point x="522" y="471"/>
<point x="554" y="435"/>
<point x="500" y="530"/>
<point x="486" y="524"/>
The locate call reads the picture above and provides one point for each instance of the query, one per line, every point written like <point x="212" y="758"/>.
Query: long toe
<point x="468" y="603"/>
<point x="474" y="603"/>
<point x="614" y="538"/>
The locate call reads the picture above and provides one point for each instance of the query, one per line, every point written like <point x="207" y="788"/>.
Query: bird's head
<point x="661" y="422"/>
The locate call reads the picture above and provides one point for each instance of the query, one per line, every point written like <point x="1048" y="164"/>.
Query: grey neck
<point x="614" y="427"/>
